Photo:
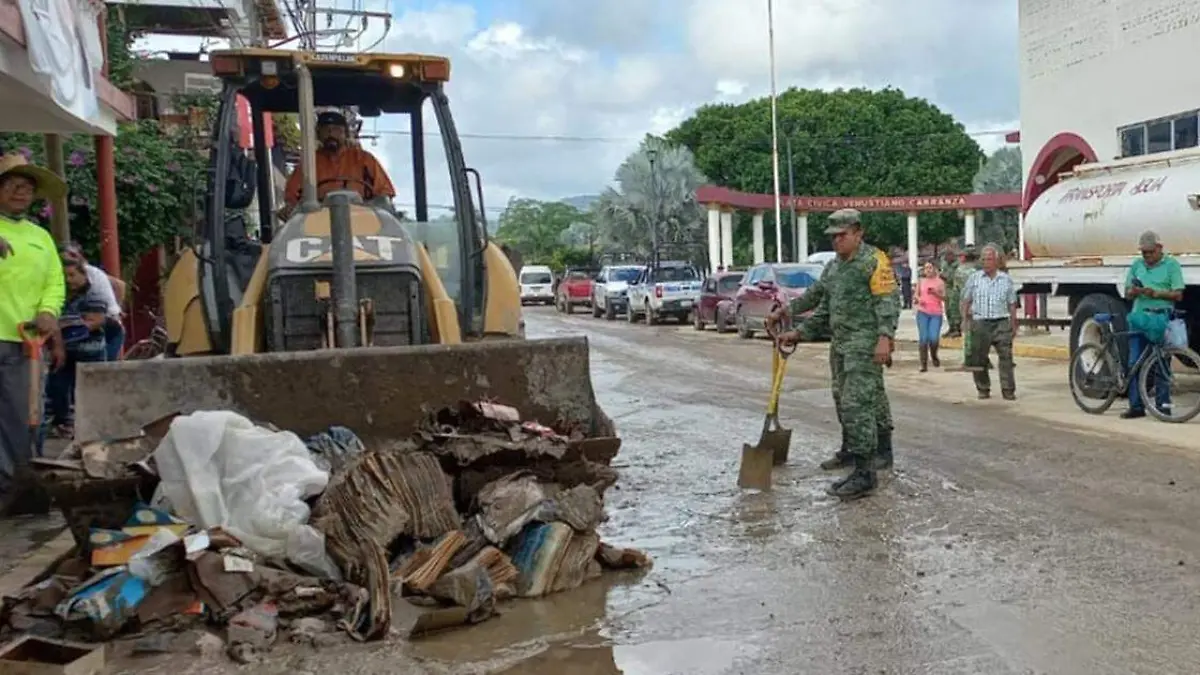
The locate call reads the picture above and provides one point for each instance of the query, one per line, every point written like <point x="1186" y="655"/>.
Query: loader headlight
<point x="396" y="70"/>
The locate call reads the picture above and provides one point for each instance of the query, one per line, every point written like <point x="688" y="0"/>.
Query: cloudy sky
<point x="565" y="88"/>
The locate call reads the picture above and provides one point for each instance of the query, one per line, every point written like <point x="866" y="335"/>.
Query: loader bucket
<point x="378" y="392"/>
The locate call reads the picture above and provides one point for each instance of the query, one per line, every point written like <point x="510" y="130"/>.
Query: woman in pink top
<point x="931" y="296"/>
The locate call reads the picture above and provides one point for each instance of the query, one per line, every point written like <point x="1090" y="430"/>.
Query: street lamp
<point x="652" y="155"/>
<point x="774" y="133"/>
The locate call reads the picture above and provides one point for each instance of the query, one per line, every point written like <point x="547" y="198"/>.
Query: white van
<point x="537" y="284"/>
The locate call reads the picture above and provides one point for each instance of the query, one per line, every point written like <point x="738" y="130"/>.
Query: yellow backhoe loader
<point x="345" y="313"/>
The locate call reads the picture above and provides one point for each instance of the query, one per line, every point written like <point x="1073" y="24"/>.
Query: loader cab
<point x="395" y="88"/>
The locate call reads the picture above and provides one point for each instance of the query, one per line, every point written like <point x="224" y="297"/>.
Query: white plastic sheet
<point x="220" y="469"/>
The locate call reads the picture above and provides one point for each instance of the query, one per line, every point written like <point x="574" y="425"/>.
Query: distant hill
<point x="581" y="202"/>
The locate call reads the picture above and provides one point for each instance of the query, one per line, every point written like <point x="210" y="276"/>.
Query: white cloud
<point x="619" y="69"/>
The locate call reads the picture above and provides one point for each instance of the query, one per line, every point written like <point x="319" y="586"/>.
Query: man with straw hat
<point x="32" y="290"/>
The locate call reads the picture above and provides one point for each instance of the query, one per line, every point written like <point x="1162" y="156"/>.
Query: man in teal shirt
<point x="32" y="290"/>
<point x="1155" y="282"/>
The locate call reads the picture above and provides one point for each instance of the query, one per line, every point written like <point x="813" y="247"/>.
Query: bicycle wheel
<point x="1094" y="378"/>
<point x="1182" y="373"/>
<point x="143" y="350"/>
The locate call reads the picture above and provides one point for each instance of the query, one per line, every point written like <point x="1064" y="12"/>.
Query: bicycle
<point x="1098" y="375"/>
<point x="150" y="347"/>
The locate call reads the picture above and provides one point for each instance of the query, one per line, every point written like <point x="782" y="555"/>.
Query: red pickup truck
<point x="574" y="289"/>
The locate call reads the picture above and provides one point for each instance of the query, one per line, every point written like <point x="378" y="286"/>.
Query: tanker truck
<point x="1081" y="235"/>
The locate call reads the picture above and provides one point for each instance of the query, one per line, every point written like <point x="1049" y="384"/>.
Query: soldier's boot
<point x="924" y="357"/>
<point x="933" y="355"/>
<point x="883" y="451"/>
<point x="860" y="483"/>
<point x="841" y="459"/>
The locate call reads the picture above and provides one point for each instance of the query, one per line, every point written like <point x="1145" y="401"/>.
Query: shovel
<point x="28" y="496"/>
<point x="772" y="447"/>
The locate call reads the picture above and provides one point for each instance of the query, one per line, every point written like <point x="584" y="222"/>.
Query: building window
<point x="1165" y="134"/>
<point x="1158" y="137"/>
<point x="1133" y="141"/>
<point x="1186" y="131"/>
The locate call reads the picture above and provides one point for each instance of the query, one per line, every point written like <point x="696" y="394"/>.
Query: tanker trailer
<point x="1082" y="235"/>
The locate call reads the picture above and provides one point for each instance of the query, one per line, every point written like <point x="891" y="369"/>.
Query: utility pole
<point x="792" y="199"/>
<point x="774" y="132"/>
<point x="255" y="26"/>
<point x="652" y="155"/>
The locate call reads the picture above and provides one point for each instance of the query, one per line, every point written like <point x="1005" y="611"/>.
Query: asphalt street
<point x="1000" y="545"/>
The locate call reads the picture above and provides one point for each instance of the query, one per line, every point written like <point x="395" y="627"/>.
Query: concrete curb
<point x="1020" y="349"/>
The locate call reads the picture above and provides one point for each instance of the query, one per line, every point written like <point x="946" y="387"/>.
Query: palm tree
<point x="645" y="192"/>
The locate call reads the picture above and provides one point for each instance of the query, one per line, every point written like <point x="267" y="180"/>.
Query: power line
<point x="848" y="138"/>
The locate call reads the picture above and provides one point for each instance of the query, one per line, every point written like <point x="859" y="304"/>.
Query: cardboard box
<point x="32" y="655"/>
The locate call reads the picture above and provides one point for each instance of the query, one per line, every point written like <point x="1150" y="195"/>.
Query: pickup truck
<point x="671" y="289"/>
<point x="610" y="291"/>
<point x="574" y="289"/>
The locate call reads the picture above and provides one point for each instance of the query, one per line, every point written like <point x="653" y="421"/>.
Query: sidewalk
<point x="1029" y="344"/>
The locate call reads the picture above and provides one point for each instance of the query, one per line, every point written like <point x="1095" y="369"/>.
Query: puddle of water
<point x="701" y="656"/>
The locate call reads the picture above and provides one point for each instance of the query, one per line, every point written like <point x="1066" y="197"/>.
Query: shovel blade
<point x="755" y="470"/>
<point x="778" y="441"/>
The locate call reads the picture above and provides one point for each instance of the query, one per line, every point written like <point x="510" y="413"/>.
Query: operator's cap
<point x="1149" y="241"/>
<point x="843" y="220"/>
<point x="331" y="118"/>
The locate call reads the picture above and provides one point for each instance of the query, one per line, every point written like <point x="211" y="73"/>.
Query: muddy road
<point x="1000" y="545"/>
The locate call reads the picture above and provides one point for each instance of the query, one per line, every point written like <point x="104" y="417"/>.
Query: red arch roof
<point x="716" y="195"/>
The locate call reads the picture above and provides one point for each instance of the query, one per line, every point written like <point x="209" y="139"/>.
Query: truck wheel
<point x="568" y="307"/>
<point x="721" y="320"/>
<point x="610" y="314"/>
<point x="652" y="319"/>
<point x="696" y="322"/>
<point x="630" y="315"/>
<point x="1084" y="328"/>
<point x="595" y="309"/>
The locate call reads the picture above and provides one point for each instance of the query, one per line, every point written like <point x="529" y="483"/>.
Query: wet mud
<point x="1000" y="544"/>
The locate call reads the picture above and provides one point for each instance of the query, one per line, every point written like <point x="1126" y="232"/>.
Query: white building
<point x="1103" y="79"/>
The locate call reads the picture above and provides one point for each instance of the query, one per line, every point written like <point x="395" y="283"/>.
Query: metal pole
<point x="252" y="18"/>
<point x="774" y="133"/>
<point x="344" y="288"/>
<point x="792" y="199"/>
<point x="653" y="212"/>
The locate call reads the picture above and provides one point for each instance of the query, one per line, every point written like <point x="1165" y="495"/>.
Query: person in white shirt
<point x="109" y="289"/>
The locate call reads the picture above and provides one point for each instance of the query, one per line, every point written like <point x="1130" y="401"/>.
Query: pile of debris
<point x="254" y="530"/>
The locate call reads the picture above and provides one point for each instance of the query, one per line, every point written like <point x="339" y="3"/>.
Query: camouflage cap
<point x="842" y="220"/>
<point x="1149" y="241"/>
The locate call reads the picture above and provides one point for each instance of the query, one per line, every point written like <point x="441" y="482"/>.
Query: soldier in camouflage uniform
<point x="962" y="272"/>
<point x="953" y="312"/>
<point x="857" y="304"/>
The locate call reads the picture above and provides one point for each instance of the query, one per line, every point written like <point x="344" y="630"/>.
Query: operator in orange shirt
<point x="340" y="165"/>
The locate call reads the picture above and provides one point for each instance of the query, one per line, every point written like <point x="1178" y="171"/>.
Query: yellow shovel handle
<point x="778" y="370"/>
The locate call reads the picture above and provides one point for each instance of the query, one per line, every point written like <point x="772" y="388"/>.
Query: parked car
<point x="610" y="292"/>
<point x="767" y="285"/>
<point x="574" y="289"/>
<point x="716" y="301"/>
<point x="537" y="284"/>
<point x="670" y="289"/>
<point x="822" y="258"/>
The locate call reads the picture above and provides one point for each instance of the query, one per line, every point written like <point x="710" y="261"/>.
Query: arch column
<point x="802" y="236"/>
<point x="727" y="238"/>
<point x="760" y="253"/>
<point x="714" y="237"/>
<point x="969" y="227"/>
<point x="914" y="254"/>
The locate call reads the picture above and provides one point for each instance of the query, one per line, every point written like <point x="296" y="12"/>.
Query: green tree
<point x="1001" y="173"/>
<point x="536" y="228"/>
<point x="664" y="193"/>
<point x="845" y="143"/>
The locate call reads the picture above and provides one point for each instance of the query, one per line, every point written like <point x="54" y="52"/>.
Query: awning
<point x="50" y="58"/>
